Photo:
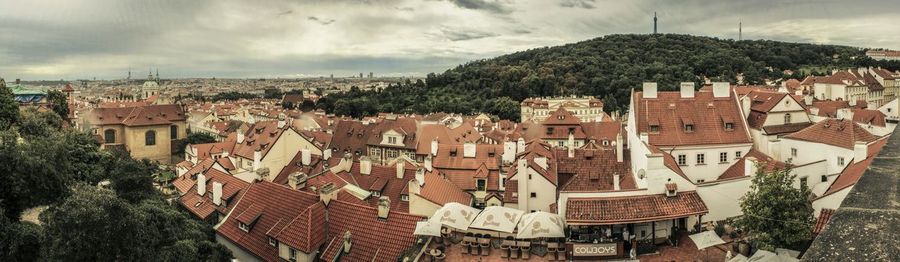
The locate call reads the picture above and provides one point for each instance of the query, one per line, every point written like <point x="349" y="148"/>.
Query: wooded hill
<point x="607" y="67"/>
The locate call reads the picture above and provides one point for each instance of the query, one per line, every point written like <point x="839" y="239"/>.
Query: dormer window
<point x="453" y="152"/>
<point x="404" y="198"/>
<point x="605" y="142"/>
<point x="550" y="130"/>
<point x="729" y="126"/>
<point x="244" y="227"/>
<point x="571" y="130"/>
<point x="392" y="140"/>
<point x="480" y="184"/>
<point x="654" y="128"/>
<point x="689" y="128"/>
<point x="561" y="117"/>
<point x="273" y="242"/>
<point x="376" y="193"/>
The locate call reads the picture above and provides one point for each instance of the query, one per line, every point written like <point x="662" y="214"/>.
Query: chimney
<point x="201" y="184"/>
<point x="721" y="89"/>
<point x="384" y="207"/>
<point x="281" y="123"/>
<point x="649" y="89"/>
<point x="750" y="166"/>
<point x="852" y="102"/>
<point x="297" y="180"/>
<point x="365" y="165"/>
<point x="655" y="161"/>
<point x="645" y="138"/>
<point x="814" y="111"/>
<point x="808" y="100"/>
<point x="520" y="145"/>
<point x="240" y="138"/>
<point x="619" y="150"/>
<point x="860" y="151"/>
<point x="428" y="163"/>
<point x="217" y="193"/>
<point x="509" y="152"/>
<point x="347" y="243"/>
<point x="522" y="181"/>
<point x="401" y="168"/>
<point x="845" y="113"/>
<point x="687" y="89"/>
<point x="257" y="158"/>
<point x="616" y="182"/>
<point x="469" y="149"/>
<point x="344" y="165"/>
<point x="18" y="81"/>
<point x="262" y="174"/>
<point x="305" y="157"/>
<point x="326" y="154"/>
<point x="434" y="147"/>
<point x="420" y="176"/>
<point x="571" y="149"/>
<point x="327" y="193"/>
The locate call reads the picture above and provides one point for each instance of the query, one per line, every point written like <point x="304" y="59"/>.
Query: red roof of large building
<point x="737" y="169"/>
<point x="593" y="170"/>
<point x="350" y="136"/>
<point x="708" y="115"/>
<point x="372" y="238"/>
<point x="138" y="115"/>
<point x="633" y="209"/>
<point x="835" y="132"/>
<point x="203" y="206"/>
<point x="440" y="191"/>
<point x="261" y="136"/>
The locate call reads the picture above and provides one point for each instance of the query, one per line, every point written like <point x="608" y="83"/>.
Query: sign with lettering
<point x="594" y="250"/>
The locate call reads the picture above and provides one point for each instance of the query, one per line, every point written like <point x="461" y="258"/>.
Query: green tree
<point x="200" y="138"/>
<point x="19" y="241"/>
<point x="95" y="225"/>
<point x="506" y="108"/>
<point x="9" y="108"/>
<point x="775" y="213"/>
<point x="59" y="103"/>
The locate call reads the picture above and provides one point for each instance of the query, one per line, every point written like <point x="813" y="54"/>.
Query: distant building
<point x="889" y="55"/>
<point x="587" y="109"/>
<point x="148" y="131"/>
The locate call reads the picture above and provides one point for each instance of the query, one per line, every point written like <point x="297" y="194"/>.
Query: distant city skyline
<point x="76" y="39"/>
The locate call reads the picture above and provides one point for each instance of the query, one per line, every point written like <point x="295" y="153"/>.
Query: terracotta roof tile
<point x="633" y="209"/>
<point x="822" y="220"/>
<point x="373" y="238"/>
<point x="851" y="174"/>
<point x="593" y="170"/>
<point x="671" y="111"/>
<point x="440" y="191"/>
<point x="835" y="132"/>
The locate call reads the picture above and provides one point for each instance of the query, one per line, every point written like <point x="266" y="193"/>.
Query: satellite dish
<point x="641" y="174"/>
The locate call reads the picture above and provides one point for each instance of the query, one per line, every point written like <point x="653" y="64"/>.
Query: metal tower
<point x="654" y="23"/>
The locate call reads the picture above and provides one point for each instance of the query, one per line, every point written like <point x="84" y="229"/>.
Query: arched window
<point x="787" y="118"/>
<point x="150" y="138"/>
<point x="109" y="136"/>
<point x="173" y="130"/>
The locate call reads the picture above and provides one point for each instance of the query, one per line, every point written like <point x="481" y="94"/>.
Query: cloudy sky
<point x="70" y="39"/>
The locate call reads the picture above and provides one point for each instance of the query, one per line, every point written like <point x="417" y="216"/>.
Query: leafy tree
<point x="18" y="241"/>
<point x="95" y="225"/>
<point x="307" y="105"/>
<point x="505" y="108"/>
<point x="200" y="138"/>
<point x="775" y="213"/>
<point x="9" y="108"/>
<point x="59" y="103"/>
<point x="36" y="124"/>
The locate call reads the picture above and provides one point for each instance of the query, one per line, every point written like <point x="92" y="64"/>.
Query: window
<point x="391" y="154"/>
<point x="292" y="254"/>
<point x="561" y="144"/>
<point x="404" y="197"/>
<point x="737" y="154"/>
<point x="150" y="138"/>
<point x="480" y="184"/>
<point x="273" y="242"/>
<point x="682" y="160"/>
<point x="605" y="142"/>
<point x="802" y="181"/>
<point x="701" y="159"/>
<point x="376" y="193"/>
<point x="110" y="136"/>
<point x="723" y="157"/>
<point x="824" y="178"/>
<point x="533" y="195"/>
<point x="787" y="118"/>
<point x="374" y="152"/>
<point x="173" y="131"/>
<point x="688" y="128"/>
<point x="701" y="180"/>
<point x="549" y="130"/>
<point x="392" y="140"/>
<point x="244" y="227"/>
<point x="502" y="181"/>
<point x="654" y="128"/>
<point x="793" y="152"/>
<point x="729" y="126"/>
<point x="840" y="161"/>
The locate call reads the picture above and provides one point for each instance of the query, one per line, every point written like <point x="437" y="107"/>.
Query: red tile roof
<point x="737" y="169"/>
<point x="822" y="220"/>
<point x="261" y="136"/>
<point x="372" y="238"/>
<point x="835" y="132"/>
<point x="305" y="232"/>
<point x="562" y="117"/>
<point x="350" y="136"/>
<point x="440" y="191"/>
<point x="593" y="170"/>
<point x="138" y="115"/>
<point x="203" y="206"/>
<point x="869" y="117"/>
<point x="403" y="125"/>
<point x="671" y="113"/>
<point x="854" y="171"/>
<point x="273" y="206"/>
<point x="633" y="209"/>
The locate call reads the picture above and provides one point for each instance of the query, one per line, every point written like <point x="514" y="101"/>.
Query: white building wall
<point x="832" y="201"/>
<point x="808" y="152"/>
<point x="712" y="167"/>
<point x="723" y="198"/>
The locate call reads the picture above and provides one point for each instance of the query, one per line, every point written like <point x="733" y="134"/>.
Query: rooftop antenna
<point x="129" y="73"/>
<point x="740" y="31"/>
<point x="654" y="23"/>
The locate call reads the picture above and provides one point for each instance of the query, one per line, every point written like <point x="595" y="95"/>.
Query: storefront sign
<point x="594" y="250"/>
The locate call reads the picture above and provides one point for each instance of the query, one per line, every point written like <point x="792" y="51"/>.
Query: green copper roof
<point x="22" y="90"/>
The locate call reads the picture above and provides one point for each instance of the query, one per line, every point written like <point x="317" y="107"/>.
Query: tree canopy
<point x="776" y="214"/>
<point x="607" y="67"/>
<point x="200" y="138"/>
<point x="9" y="108"/>
<point x="59" y="102"/>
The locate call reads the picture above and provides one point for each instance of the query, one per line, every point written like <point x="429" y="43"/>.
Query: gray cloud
<point x="485" y="5"/>
<point x="321" y="21"/>
<point x="464" y="34"/>
<point x="233" y="38"/>
<point x="586" y="4"/>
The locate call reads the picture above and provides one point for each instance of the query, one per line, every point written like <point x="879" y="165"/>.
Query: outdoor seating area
<point x="486" y="247"/>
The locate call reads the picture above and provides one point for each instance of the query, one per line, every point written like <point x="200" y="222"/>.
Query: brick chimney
<point x="384" y="207"/>
<point x="297" y="180"/>
<point x="327" y="193"/>
<point x="860" y="151"/>
<point x="262" y="174"/>
<point x="305" y="157"/>
<point x="428" y="165"/>
<point x="420" y="176"/>
<point x="347" y="243"/>
<point x="257" y="160"/>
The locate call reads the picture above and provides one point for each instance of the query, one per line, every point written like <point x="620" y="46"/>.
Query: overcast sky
<point x="69" y="39"/>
